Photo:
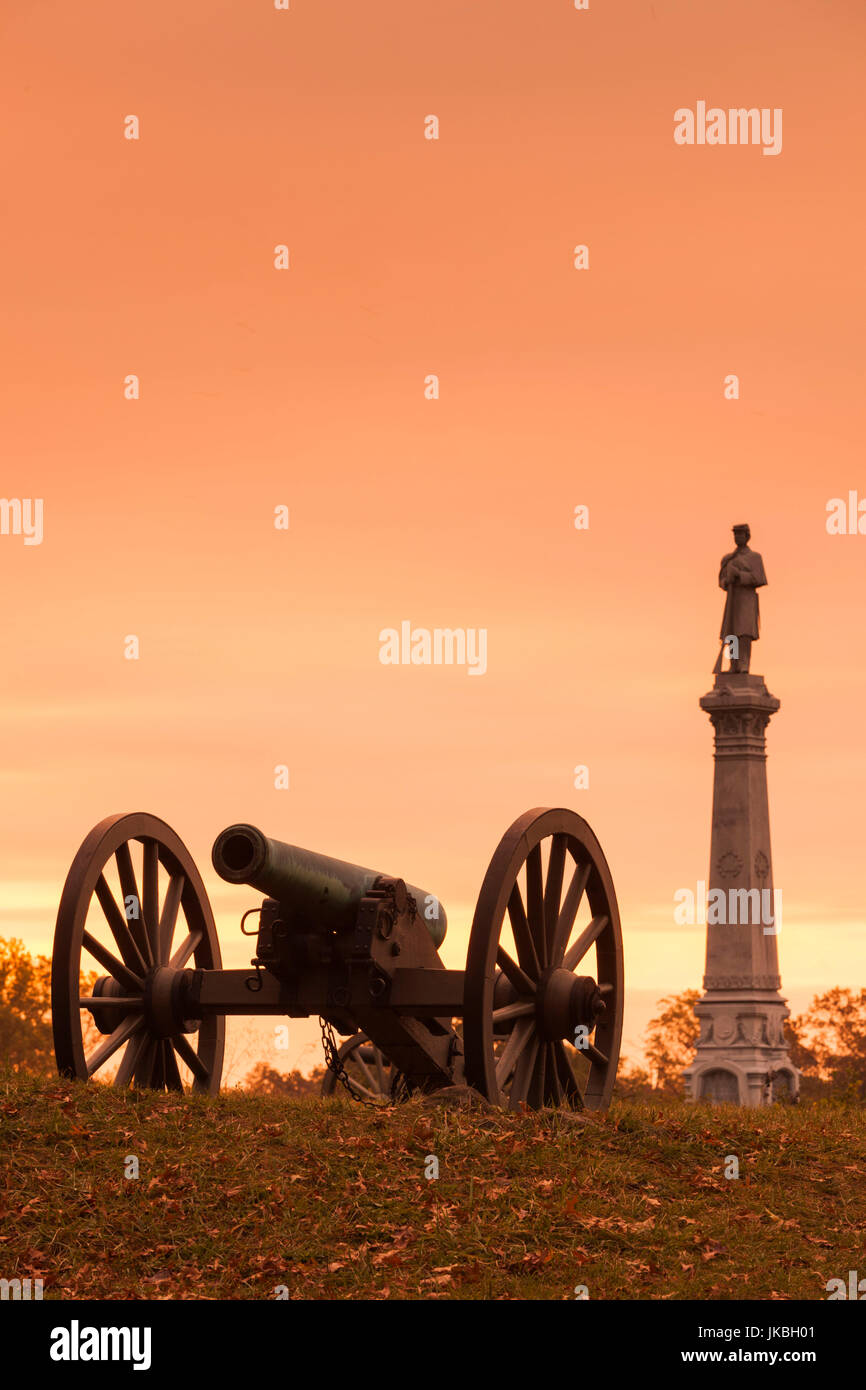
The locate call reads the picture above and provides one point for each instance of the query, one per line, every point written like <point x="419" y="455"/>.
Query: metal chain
<point x="332" y="1059"/>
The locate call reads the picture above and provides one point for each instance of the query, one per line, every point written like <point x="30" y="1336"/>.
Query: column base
<point x="742" y="1057"/>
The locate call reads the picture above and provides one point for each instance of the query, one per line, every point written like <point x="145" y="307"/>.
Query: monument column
<point x="741" y="1055"/>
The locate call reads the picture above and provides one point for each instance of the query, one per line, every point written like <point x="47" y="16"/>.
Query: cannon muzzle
<point x="326" y="892"/>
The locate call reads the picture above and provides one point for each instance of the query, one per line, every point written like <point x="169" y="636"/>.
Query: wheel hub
<point x="165" y="1002"/>
<point x="566" y="1002"/>
<point x="107" y="1019"/>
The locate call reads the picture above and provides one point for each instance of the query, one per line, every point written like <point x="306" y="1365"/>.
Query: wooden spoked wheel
<point x="367" y="1068"/>
<point x="134" y="905"/>
<point x="543" y="994"/>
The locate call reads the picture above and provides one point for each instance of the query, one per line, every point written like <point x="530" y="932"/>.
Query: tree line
<point x="827" y="1042"/>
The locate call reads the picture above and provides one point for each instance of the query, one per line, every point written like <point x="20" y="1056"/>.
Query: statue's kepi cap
<point x="743" y="526"/>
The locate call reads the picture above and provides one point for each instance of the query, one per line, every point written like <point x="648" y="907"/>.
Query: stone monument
<point x="741" y="1055"/>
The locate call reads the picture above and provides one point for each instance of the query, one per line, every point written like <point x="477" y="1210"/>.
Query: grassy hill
<point x="238" y="1195"/>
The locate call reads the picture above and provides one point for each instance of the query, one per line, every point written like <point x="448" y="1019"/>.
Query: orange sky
<point x="305" y="387"/>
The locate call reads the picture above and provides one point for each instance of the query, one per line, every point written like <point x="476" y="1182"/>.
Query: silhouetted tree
<point x="828" y="1044"/>
<point x="633" y="1083"/>
<point x="671" y="1039"/>
<point x="26" y="1040"/>
<point x="25" y="1009"/>
<point x="265" y="1080"/>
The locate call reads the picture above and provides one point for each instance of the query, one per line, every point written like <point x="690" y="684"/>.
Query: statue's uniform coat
<point x="741" y="618"/>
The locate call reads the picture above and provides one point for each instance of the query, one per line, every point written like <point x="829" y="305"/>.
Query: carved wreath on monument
<point x="729" y="865"/>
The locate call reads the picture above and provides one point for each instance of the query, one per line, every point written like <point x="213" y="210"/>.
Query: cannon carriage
<point x="535" y="1018"/>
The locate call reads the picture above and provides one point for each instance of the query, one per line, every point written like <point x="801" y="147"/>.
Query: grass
<point x="238" y="1195"/>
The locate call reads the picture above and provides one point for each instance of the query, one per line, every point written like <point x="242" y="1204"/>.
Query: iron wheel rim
<point x="148" y="1060"/>
<point x="536" y="1070"/>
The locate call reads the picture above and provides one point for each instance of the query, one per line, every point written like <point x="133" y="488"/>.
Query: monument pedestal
<point x="742" y="1055"/>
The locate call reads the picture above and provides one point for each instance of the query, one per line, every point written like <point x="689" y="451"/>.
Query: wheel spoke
<point x="129" y="889"/>
<point x="124" y="939"/>
<point x="143" y="1076"/>
<point x="109" y="962"/>
<point x="192" y="1059"/>
<point x="517" y="1040"/>
<point x="380" y="1072"/>
<point x="172" y="1071"/>
<point x="509" y="1011"/>
<point x="526" y="953"/>
<point x="535" y="1091"/>
<point x="150" y="905"/>
<point x="553" y="895"/>
<point x="124" y="1030"/>
<point x="568" y="912"/>
<point x="362" y="1066"/>
<point x="535" y="903"/>
<point x="567" y="1077"/>
<point x="523" y="1073"/>
<point x="594" y="1055"/>
<point x="554" y="1084"/>
<point x="509" y="967"/>
<point x="185" y="950"/>
<point x="168" y="920"/>
<point x="363" y="1090"/>
<point x="158" y="1074"/>
<point x="579" y="948"/>
<point x="129" y="1061"/>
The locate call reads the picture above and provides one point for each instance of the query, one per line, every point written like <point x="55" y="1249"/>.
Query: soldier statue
<point x="741" y="575"/>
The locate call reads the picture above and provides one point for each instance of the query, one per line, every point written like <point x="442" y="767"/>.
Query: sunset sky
<point x="305" y="388"/>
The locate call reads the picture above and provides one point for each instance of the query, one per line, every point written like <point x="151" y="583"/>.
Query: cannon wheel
<point x="131" y="940"/>
<point x="516" y="1017"/>
<point x="368" y="1069"/>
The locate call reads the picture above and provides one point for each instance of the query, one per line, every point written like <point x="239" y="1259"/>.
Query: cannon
<point x="534" y="1019"/>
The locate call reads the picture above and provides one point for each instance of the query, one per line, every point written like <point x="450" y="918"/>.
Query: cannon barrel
<point x="325" y="891"/>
